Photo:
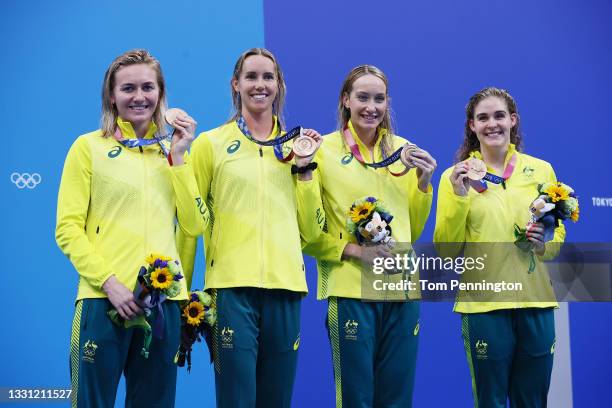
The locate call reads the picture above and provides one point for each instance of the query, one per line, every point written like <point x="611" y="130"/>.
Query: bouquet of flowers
<point x="368" y="219"/>
<point x="156" y="282"/>
<point x="555" y="202"/>
<point x="199" y="315"/>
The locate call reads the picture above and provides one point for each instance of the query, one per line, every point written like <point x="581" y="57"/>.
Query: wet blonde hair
<point x="279" y="101"/>
<point x="344" y="114"/>
<point x="109" y="110"/>
<point x="470" y="140"/>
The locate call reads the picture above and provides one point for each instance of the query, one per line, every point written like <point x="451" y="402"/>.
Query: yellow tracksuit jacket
<point x="116" y="205"/>
<point x="343" y="180"/>
<point x="259" y="213"/>
<point x="488" y="219"/>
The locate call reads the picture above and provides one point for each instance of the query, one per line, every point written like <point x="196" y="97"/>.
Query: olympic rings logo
<point x="23" y="180"/>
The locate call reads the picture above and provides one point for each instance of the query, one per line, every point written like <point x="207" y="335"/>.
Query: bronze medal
<point x="477" y="169"/>
<point x="172" y="114"/>
<point x="405" y="155"/>
<point x="304" y="146"/>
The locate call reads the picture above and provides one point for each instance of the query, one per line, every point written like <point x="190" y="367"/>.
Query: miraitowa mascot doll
<point x="369" y="220"/>
<point x="540" y="210"/>
<point x="555" y="202"/>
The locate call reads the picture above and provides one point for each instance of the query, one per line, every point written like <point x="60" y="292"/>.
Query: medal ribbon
<point x="386" y="162"/>
<point x="131" y="143"/>
<point x="277" y="142"/>
<point x="481" y="185"/>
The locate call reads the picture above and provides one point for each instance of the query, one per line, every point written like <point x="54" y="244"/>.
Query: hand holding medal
<point x="424" y="163"/>
<point x="406" y="156"/>
<point x="459" y="179"/>
<point x="306" y="145"/>
<point x="183" y="134"/>
<point x="465" y="172"/>
<point x="476" y="169"/>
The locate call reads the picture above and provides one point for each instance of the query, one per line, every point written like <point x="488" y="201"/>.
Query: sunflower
<point x="557" y="192"/>
<point x="194" y="313"/>
<point x="153" y="257"/>
<point x="361" y="211"/>
<point x="575" y="214"/>
<point x="161" y="278"/>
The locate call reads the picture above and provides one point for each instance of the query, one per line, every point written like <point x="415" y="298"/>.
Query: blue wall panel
<point x="554" y="57"/>
<point x="54" y="55"/>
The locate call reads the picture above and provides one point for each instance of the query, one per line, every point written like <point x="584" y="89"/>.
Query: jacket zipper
<point x="262" y="184"/>
<point x="145" y="200"/>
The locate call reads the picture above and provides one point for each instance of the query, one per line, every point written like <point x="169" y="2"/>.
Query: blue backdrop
<point x="553" y="56"/>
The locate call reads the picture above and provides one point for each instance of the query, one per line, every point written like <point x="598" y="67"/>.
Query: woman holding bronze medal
<point x="509" y="337"/>
<point x="368" y="177"/>
<point x="260" y="205"/>
<point x="122" y="188"/>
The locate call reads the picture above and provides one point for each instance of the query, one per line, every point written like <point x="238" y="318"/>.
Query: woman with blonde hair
<point x="122" y="188"/>
<point x="374" y="341"/>
<point x="261" y="206"/>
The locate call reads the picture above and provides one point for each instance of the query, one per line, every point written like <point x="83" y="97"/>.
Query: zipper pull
<point x="504" y="184"/>
<point x="260" y="152"/>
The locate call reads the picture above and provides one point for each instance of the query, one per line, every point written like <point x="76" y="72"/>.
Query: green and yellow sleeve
<point x="191" y="210"/>
<point x="419" y="205"/>
<point x="72" y="207"/>
<point x="311" y="216"/>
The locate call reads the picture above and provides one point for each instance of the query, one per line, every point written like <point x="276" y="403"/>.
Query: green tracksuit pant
<point x="255" y="346"/>
<point x="374" y="348"/>
<point x="510" y="355"/>
<point x="101" y="351"/>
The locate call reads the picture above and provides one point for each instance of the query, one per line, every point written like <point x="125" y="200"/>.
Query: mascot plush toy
<point x="369" y="220"/>
<point x="556" y="202"/>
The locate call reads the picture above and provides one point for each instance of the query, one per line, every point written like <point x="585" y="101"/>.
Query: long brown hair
<point x="279" y="101"/>
<point x="109" y="110"/>
<point x="344" y="114"/>
<point x="470" y="141"/>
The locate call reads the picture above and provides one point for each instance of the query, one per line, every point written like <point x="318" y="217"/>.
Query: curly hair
<point x="470" y="141"/>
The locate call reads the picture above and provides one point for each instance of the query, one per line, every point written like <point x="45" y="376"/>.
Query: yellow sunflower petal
<point x="194" y="313"/>
<point x="161" y="278"/>
<point x="361" y="211"/>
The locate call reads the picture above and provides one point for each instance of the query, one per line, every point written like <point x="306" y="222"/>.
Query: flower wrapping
<point x="156" y="282"/>
<point x="198" y="317"/>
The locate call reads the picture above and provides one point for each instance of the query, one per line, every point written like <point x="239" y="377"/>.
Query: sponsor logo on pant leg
<point x="417" y="328"/>
<point x="89" y="351"/>
<point x="350" y="329"/>
<point x="227" y="338"/>
<point x="481" y="350"/>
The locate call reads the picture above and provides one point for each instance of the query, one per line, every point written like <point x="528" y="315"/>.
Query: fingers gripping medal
<point x="172" y="114"/>
<point x="405" y="156"/>
<point x="304" y="146"/>
<point x="477" y="169"/>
